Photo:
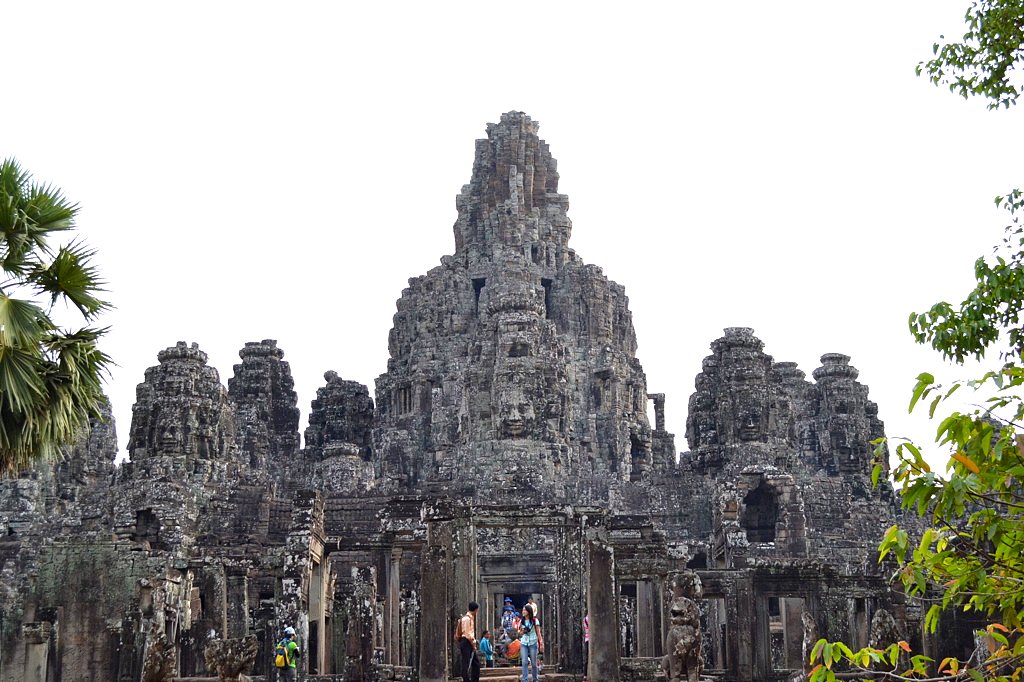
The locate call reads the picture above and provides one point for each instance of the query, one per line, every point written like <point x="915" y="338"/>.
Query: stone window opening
<point x="147" y="527"/>
<point x="478" y="286"/>
<point x="699" y="561"/>
<point x="714" y="622"/>
<point x="638" y="458"/>
<point x="519" y="349"/>
<point x="403" y="399"/>
<point x="785" y="632"/>
<point x="760" y="514"/>
<point x="861" y="624"/>
<point x="627" y="618"/>
<point x="546" y="283"/>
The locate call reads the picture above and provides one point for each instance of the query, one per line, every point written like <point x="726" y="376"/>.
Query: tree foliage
<point x="50" y="376"/>
<point x="971" y="555"/>
<point x="983" y="63"/>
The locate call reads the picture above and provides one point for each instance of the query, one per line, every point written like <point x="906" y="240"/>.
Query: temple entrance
<point x="506" y="552"/>
<point x="518" y="599"/>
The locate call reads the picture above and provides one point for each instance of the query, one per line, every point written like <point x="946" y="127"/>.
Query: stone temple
<point x="506" y="452"/>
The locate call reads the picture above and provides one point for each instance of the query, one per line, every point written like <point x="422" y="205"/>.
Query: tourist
<point x="536" y="609"/>
<point x="532" y="643"/>
<point x="289" y="673"/>
<point x="507" y="618"/>
<point x="466" y="637"/>
<point x="503" y="645"/>
<point x="487" y="649"/>
<point x="513" y="652"/>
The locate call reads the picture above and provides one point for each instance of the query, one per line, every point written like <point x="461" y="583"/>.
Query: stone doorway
<point x="505" y="550"/>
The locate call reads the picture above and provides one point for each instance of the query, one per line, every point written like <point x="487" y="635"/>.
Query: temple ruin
<point x="506" y="452"/>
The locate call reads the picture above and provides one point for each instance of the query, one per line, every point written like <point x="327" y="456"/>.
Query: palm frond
<point x="50" y="379"/>
<point x="48" y="210"/>
<point x="71" y="275"/>
<point x="29" y="212"/>
<point x="22" y="323"/>
<point x="22" y="383"/>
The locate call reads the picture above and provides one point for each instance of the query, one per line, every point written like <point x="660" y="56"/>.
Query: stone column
<point x="464" y="565"/>
<point x="746" y="625"/>
<point x="762" y="639"/>
<point x="435" y="629"/>
<point x="37" y="650"/>
<point x="602" y="605"/>
<point x="646" y="622"/>
<point x="237" y="603"/>
<point x="361" y="624"/>
<point x="392" y="619"/>
<point x="659" y="410"/>
<point x="463" y="575"/>
<point x="569" y="603"/>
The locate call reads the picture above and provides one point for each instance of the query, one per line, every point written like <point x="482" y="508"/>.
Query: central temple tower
<point x="513" y="362"/>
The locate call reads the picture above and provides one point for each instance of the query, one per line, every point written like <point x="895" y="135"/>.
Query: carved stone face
<point x="749" y="424"/>
<point x="706" y="431"/>
<point x="703" y="401"/>
<point x="516" y="415"/>
<point x="169" y="438"/>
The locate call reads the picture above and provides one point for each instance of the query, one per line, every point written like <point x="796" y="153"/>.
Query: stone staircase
<point x="513" y="674"/>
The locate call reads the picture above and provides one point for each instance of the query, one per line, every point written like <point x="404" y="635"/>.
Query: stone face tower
<point x="507" y="455"/>
<point x="513" y="362"/>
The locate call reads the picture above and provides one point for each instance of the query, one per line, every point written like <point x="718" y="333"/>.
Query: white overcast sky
<point x="279" y="170"/>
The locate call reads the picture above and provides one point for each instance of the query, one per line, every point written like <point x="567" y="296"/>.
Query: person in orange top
<point x="466" y="635"/>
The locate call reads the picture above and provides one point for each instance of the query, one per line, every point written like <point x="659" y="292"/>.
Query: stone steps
<point x="511" y="675"/>
<point x="515" y="674"/>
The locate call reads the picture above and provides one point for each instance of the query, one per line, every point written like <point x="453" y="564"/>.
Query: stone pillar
<point x="659" y="410"/>
<point x="317" y="615"/>
<point x="37" y="650"/>
<point x="464" y="565"/>
<point x="762" y="639"/>
<point x="463" y="575"/>
<point x="746" y="623"/>
<point x="237" y="604"/>
<point x="392" y="618"/>
<point x="602" y="605"/>
<point x="435" y="629"/>
<point x="361" y="623"/>
<point x="647" y="631"/>
<point x="570" y="594"/>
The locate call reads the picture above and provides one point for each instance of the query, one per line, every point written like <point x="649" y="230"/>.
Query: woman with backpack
<point x="532" y="643"/>
<point x="286" y="653"/>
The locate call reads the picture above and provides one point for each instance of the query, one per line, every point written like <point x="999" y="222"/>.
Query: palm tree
<point x="50" y="377"/>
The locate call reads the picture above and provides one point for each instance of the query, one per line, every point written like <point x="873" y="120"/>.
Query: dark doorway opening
<point x="760" y="514"/>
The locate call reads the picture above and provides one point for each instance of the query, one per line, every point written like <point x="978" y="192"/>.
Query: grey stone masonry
<point x="505" y="454"/>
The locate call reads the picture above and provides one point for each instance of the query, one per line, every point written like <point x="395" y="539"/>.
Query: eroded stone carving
<point x="230" y="659"/>
<point x="683" y="661"/>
